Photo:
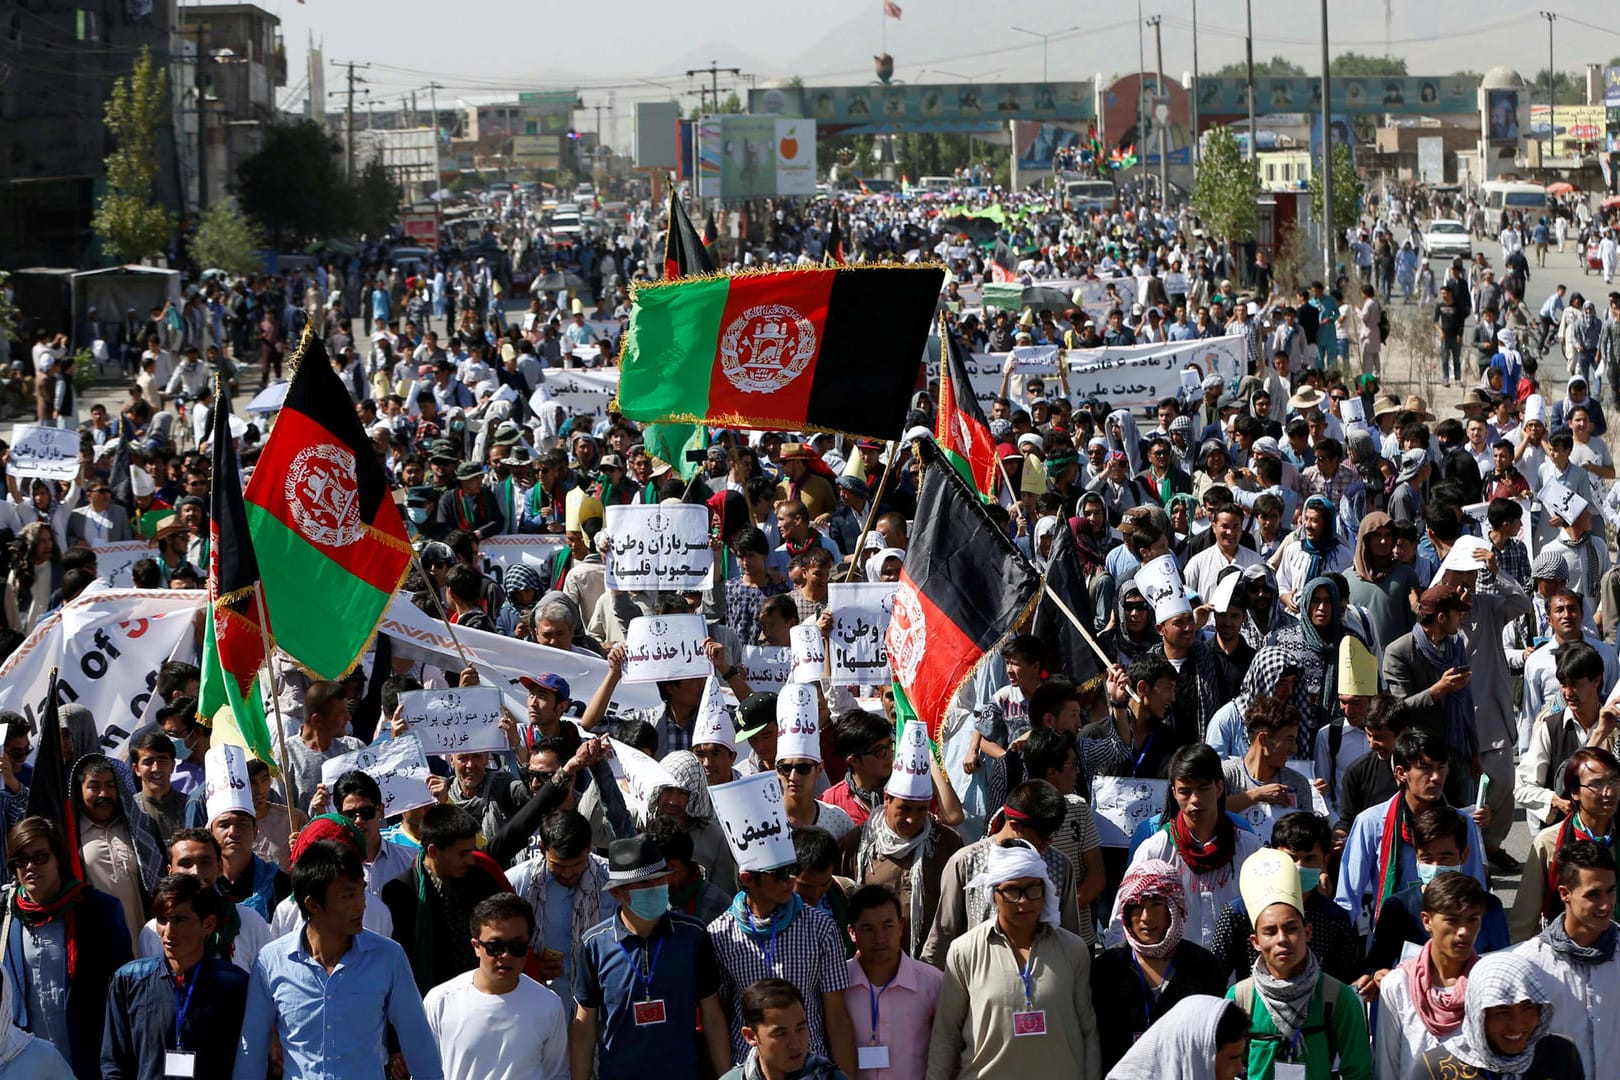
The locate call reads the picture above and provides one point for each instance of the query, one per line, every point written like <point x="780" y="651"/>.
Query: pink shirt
<point x="905" y="1017"/>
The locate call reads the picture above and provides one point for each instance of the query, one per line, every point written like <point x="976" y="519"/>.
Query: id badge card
<point x="1288" y="1070"/>
<point x="179" y="1065"/>
<point x="871" y="1057"/>
<point x="1033" y="1022"/>
<point x="649" y="1012"/>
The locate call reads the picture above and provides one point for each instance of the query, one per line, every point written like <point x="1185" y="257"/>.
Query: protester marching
<point x="898" y="651"/>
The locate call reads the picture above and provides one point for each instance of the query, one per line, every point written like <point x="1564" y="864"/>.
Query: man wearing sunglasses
<point x="798" y="763"/>
<point x="494" y="1020"/>
<point x="357" y="797"/>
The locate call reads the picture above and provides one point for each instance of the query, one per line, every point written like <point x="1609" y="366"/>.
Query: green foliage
<point x="130" y="224"/>
<point x="228" y="239"/>
<point x="376" y="199"/>
<point x="1225" y="189"/>
<point x="8" y="309"/>
<point x="295" y="186"/>
<point x="1569" y="88"/>
<point x="1354" y="64"/>
<point x="1276" y="68"/>
<point x="1347" y="190"/>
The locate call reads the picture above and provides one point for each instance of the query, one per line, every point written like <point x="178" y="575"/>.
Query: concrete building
<point x="236" y="61"/>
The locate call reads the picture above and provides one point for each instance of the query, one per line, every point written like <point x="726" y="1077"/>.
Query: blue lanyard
<point x="1294" y="1045"/>
<point x="652" y="966"/>
<point x="770" y="948"/>
<point x="875" y="995"/>
<point x="1026" y="974"/>
<point x="1147" y="995"/>
<point x="182" y="1005"/>
<point x="1136" y="766"/>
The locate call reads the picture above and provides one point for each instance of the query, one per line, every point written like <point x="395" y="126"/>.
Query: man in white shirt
<point x="47" y="351"/>
<point x="1205" y="567"/>
<point x="494" y="1022"/>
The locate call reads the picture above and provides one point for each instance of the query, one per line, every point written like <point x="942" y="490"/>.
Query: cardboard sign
<point x="666" y="647"/>
<point x="765" y="668"/>
<point x="1035" y="359"/>
<point x="458" y="721"/>
<point x="48" y="452"/>
<point x="114" y="561"/>
<point x="861" y="610"/>
<point x="658" y="548"/>
<point x="580" y="392"/>
<point x="1121" y="803"/>
<point x="399" y="767"/>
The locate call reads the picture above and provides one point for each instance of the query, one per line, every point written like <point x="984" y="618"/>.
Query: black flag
<point x="1066" y="645"/>
<point x="684" y="253"/>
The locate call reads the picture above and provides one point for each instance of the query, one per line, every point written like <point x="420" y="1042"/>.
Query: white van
<point x="1499" y="195"/>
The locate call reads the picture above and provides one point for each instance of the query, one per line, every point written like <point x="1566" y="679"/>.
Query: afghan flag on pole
<point x="48" y="795"/>
<point x="825" y="349"/>
<point x="233" y="640"/>
<point x="963" y="589"/>
<point x="1003" y="263"/>
<point x="331" y="546"/>
<point x="961" y="429"/>
<point x="684" y="250"/>
<point x="835" y="242"/>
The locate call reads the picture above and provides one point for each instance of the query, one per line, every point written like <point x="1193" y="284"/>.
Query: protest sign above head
<point x="798" y="723"/>
<point x="658" y="548"/>
<point x="861" y="611"/>
<point x="1561" y="502"/>
<point x="50" y="453"/>
<point x="225" y="782"/>
<point x="399" y="767"/>
<point x="666" y="647"/>
<point x="461" y="720"/>
<point x="755" y="824"/>
<point x="643" y="776"/>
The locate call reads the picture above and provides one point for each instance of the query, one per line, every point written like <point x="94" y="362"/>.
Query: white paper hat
<point x="1225" y="590"/>
<point x="798" y="723"/>
<point x="225" y="781"/>
<point x="1160" y="582"/>
<point x="140" y="482"/>
<point x="809" y="651"/>
<point x="756" y="826"/>
<point x="714" y="723"/>
<point x="911" y="778"/>
<point x="1467" y="554"/>
<point x="1559" y="500"/>
<point x="1535" y="408"/>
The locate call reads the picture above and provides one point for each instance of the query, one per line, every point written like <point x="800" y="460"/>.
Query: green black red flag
<point x="1003" y="263"/>
<point x="1069" y="649"/>
<point x="960" y="428"/>
<point x="330" y="543"/>
<point x="835" y="242"/>
<point x="684" y="251"/>
<point x="963" y="589"/>
<point x="48" y="794"/>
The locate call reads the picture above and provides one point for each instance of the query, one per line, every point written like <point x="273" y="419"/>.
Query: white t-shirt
<point x="254" y="935"/>
<point x="522" y="1035"/>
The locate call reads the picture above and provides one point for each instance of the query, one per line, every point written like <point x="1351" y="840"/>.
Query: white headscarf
<point x="1045" y="528"/>
<point x="874" y="563"/>
<point x="1180" y="1045"/>
<point x="1018" y="859"/>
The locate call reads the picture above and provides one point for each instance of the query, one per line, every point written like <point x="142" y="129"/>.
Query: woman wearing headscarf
<point x="1380" y="583"/>
<point x="1181" y="444"/>
<point x="1120" y="491"/>
<point x="1134" y="632"/>
<point x="1363" y="452"/>
<point x="521" y="583"/>
<point x="885" y="564"/>
<point x="1506" y="1030"/>
<point x="1314" y="646"/>
<point x="1135" y="984"/>
<point x="1406" y="498"/>
<point x="1046" y="532"/>
<point x="1200" y="1038"/>
<point x="24" y="1056"/>
<point x="1275" y="675"/>
<point x="1213" y="461"/>
<point x="1123" y="436"/>
<point x="34" y="579"/>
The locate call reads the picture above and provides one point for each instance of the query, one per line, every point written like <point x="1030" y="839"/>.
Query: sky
<point x="483" y="50"/>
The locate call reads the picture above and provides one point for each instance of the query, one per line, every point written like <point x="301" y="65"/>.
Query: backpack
<point x="1244" y="996"/>
<point x="1383" y="326"/>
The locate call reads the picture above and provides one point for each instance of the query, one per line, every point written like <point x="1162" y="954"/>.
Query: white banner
<point x="581" y="392"/>
<point x="1035" y="359"/>
<point x="49" y="452"/>
<point x="459" y="721"/>
<point x="1142" y="374"/>
<point x="658" y="548"/>
<point x="113" y="561"/>
<point x="860" y="621"/>
<point x="399" y="767"/>
<point x="535" y="550"/>
<point x="108" y="647"/>
<point x="665" y="647"/>
<point x="1121" y="803"/>
<point x="501" y="660"/>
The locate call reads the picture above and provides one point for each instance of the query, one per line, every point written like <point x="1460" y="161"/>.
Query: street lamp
<point x="1045" y="38"/>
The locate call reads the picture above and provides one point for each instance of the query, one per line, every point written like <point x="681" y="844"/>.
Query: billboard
<point x="1431" y="155"/>
<point x="1419" y="95"/>
<point x="656" y="134"/>
<point x="1611" y="87"/>
<point x="928" y="107"/>
<point x="546" y="112"/>
<point x="1574" y="129"/>
<point x="537" y="151"/>
<point x="747" y="157"/>
<point x="1502" y="117"/>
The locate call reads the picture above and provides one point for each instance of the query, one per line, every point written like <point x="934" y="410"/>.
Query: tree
<point x="1276" y="68"/>
<point x="1353" y="64"/>
<point x="1347" y="189"/>
<point x="130" y="224"/>
<point x="1225" y="190"/>
<point x="294" y="185"/>
<point x="227" y="239"/>
<point x="1568" y="88"/>
<point x="376" y="199"/>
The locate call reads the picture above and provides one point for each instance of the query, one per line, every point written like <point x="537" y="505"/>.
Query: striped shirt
<point x="807" y="954"/>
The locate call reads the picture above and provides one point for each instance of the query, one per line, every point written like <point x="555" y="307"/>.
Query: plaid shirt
<point x="671" y="735"/>
<point x="807" y="954"/>
<point x="1514" y="561"/>
<point x="809" y="610"/>
<point x="1332" y="487"/>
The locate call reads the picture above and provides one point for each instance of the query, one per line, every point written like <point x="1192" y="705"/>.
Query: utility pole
<point x="1248" y="52"/>
<point x="1546" y="151"/>
<point x="1164" y="160"/>
<point x="1192" y="98"/>
<point x="713" y="72"/>
<point x="413" y="109"/>
<point x="1328" y="238"/>
<point x="348" y="116"/>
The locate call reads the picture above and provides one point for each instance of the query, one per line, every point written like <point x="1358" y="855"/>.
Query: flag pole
<point x="438" y="605"/>
<point x="287" y="790"/>
<point x="877" y="498"/>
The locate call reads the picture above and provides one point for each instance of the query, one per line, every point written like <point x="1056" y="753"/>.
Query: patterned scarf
<point x="1287" y="1000"/>
<point x="1572" y="829"/>
<point x="1201" y="858"/>
<point x="779" y="920"/>
<point x="65" y="907"/>
<point x="1556" y="938"/>
<point x="1500" y="978"/>
<point x="1441" y="1017"/>
<point x="1154" y="877"/>
<point x="1459" y="704"/>
<point x="1398" y="819"/>
<point x="587" y="897"/>
<point x="877" y="839"/>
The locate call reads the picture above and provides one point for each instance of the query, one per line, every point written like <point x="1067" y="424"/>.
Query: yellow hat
<point x="1027" y="318"/>
<point x="1270" y="876"/>
<point x="575" y="307"/>
<point x="580" y="508"/>
<point x="1358" y="668"/>
<point x="855" y="466"/>
<point x="1032" y="480"/>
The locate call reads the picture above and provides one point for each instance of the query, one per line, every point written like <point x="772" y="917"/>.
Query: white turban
<point x="1018" y="859"/>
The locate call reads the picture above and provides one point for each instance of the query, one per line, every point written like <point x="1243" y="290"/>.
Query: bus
<point x="1499" y="195"/>
<point x="1087" y="196"/>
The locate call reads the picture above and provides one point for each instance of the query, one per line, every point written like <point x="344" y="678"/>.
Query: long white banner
<point x="108" y="647"/>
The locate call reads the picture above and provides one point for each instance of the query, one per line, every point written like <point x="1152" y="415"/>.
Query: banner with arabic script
<point x="1142" y="374"/>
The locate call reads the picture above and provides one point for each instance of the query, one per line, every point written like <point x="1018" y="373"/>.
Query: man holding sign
<point x="675" y="719"/>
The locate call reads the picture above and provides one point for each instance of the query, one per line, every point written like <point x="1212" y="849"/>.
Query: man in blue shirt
<point x="643" y="974"/>
<point x="158" y="1025"/>
<point x="327" y="989"/>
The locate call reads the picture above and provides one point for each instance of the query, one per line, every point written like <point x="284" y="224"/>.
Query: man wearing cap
<point x="643" y="974"/>
<point x="798" y="762"/>
<point x="469" y="505"/>
<point x="1301" y="1022"/>
<point x="1584" y="551"/>
<point x="806" y="478"/>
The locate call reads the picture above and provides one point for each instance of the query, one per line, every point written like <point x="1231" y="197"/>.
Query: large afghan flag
<point x="684" y="251"/>
<point x="824" y="349"/>
<point x="961" y="429"/>
<point x="330" y="543"/>
<point x="233" y="640"/>
<point x="964" y="588"/>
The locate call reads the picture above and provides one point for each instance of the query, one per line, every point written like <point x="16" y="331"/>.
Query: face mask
<point x="182" y="752"/>
<point x="1309" y="878"/>
<point x="1427" y="872"/>
<point x="651" y="902"/>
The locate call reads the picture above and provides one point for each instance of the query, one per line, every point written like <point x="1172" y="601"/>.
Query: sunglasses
<point x="800" y="768"/>
<point x="783" y="873"/>
<point x="24" y="860"/>
<point x="1137" y="607"/>
<point x="542" y="777"/>
<point x="518" y="947"/>
<point x="360" y="813"/>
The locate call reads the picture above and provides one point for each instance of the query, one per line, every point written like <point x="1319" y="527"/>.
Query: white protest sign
<point x="642" y="775"/>
<point x="808" y="651"/>
<point x="765" y="668"/>
<point x="1307" y="769"/>
<point x="398" y="766"/>
<point x="1190" y="383"/>
<point x="1175" y="283"/>
<point x="1141" y="374"/>
<point x="1352" y="410"/>
<point x="665" y="647"/>
<point x="1035" y="359"/>
<point x="525" y="549"/>
<point x="113" y="561"/>
<point x="581" y="392"/>
<point x="1121" y="803"/>
<point x="658" y="548"/>
<point x="48" y="452"/>
<point x="860" y="621"/>
<point x="108" y="646"/>
<point x="756" y="826"/>
<point x="457" y="721"/>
